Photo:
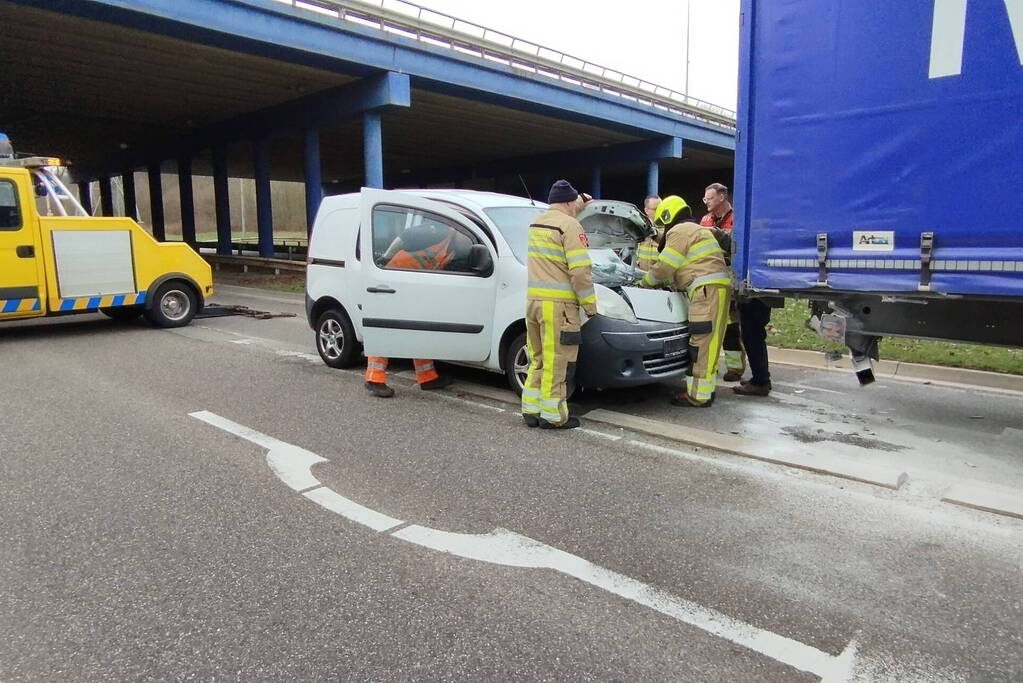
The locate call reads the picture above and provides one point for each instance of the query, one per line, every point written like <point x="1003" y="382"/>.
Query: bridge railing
<point x="406" y="19"/>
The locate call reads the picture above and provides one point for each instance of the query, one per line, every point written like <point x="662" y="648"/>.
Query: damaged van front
<point x="639" y="336"/>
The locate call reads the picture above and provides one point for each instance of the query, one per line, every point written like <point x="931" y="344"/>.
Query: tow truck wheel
<point x="516" y="366"/>
<point x="335" y="339"/>
<point x="173" y="306"/>
<point x="122" y="313"/>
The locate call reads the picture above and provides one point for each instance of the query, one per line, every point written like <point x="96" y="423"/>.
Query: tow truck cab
<point x="56" y="259"/>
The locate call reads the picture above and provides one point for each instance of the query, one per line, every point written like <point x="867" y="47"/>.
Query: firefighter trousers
<point x="708" y="318"/>
<point x="553" y="336"/>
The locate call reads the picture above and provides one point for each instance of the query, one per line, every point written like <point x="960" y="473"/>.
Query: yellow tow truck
<point x="56" y="259"/>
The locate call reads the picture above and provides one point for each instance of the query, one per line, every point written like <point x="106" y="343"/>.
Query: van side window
<point x="410" y="239"/>
<point x="10" y="216"/>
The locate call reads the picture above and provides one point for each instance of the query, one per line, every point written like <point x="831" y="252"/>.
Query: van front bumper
<point x="617" y="354"/>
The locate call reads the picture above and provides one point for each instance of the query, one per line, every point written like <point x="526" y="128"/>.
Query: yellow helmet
<point x="668" y="209"/>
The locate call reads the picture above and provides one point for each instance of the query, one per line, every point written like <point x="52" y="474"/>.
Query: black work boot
<point x="434" y="384"/>
<point x="751" y="389"/>
<point x="570" y="423"/>
<point x="531" y="420"/>
<point x="732" y="376"/>
<point x="379" y="389"/>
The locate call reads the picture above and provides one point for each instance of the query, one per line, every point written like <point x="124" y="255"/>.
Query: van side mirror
<point x="480" y="260"/>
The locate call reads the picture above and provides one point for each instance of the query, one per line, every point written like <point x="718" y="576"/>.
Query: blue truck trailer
<point x="879" y="167"/>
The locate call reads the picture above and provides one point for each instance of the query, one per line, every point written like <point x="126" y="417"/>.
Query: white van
<point x="472" y="311"/>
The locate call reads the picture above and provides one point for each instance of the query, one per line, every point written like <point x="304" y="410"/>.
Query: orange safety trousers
<point x="376" y="370"/>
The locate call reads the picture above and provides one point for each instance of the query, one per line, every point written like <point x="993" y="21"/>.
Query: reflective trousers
<point x="376" y="370"/>
<point x="553" y="336"/>
<point x="708" y="318"/>
<point x="735" y="356"/>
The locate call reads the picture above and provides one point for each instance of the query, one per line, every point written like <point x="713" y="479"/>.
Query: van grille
<point x="657" y="365"/>
<point x="665" y="334"/>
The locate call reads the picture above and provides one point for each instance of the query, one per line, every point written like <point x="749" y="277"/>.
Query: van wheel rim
<point x="521" y="366"/>
<point x="332" y="339"/>
<point x="174" y="305"/>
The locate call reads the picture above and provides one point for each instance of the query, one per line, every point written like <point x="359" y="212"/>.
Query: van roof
<point x="473" y="199"/>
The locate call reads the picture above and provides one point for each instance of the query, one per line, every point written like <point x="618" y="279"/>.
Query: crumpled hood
<point x="614" y="225"/>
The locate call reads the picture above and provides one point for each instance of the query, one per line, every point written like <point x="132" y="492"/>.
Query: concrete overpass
<point x="337" y="94"/>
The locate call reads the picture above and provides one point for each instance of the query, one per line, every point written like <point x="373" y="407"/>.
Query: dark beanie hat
<point x="562" y="192"/>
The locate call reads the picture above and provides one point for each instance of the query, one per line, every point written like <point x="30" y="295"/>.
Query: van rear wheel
<point x="174" y="305"/>
<point x="335" y="339"/>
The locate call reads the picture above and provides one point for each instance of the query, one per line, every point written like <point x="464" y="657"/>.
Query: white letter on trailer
<point x="948" y="33"/>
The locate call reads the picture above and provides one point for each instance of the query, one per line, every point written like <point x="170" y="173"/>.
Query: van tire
<point x="122" y="314"/>
<point x="517" y="356"/>
<point x="335" y="339"/>
<point x="174" y="305"/>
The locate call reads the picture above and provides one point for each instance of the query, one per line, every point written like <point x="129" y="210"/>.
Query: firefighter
<point x="560" y="281"/>
<point x="646" y="252"/>
<point x="692" y="261"/>
<point x="429" y="246"/>
<point x="721" y="216"/>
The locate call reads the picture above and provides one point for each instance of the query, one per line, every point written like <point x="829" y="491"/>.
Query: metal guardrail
<point x="430" y="27"/>
<point x="274" y="265"/>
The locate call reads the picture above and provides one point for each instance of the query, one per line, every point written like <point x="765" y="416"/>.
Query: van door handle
<point x="380" y="290"/>
<point x="25" y="251"/>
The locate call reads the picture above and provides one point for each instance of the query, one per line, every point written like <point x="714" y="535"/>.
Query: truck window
<point x="410" y="239"/>
<point x="10" y="216"/>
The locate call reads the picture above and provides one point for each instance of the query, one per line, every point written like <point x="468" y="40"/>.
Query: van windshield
<point x="513" y="222"/>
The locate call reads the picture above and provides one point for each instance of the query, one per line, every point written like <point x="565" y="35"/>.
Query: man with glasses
<point x="720" y="216"/>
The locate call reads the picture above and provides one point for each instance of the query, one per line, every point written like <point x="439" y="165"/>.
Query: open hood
<point x="614" y="225"/>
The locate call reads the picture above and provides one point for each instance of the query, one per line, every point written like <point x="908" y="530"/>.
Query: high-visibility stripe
<point x="650" y="281"/>
<point x="549" y="342"/>
<point x="530" y="397"/>
<point x="698" y="253"/>
<point x="734" y="360"/>
<point x="711" y="279"/>
<point x="672" y="257"/>
<point x="547" y="252"/>
<point x="587" y="296"/>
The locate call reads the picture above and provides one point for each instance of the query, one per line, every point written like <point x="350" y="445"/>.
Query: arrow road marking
<point x="293" y="466"/>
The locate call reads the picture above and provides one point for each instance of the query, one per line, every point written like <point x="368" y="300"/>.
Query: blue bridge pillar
<point x="313" y="178"/>
<point x="156" y="202"/>
<point x="653" y="177"/>
<point x="595" y="182"/>
<point x="106" y="196"/>
<point x="222" y="199"/>
<point x="128" y="192"/>
<point x="85" y="196"/>
<point x="187" y="199"/>
<point x="373" y="149"/>
<point x="264" y="205"/>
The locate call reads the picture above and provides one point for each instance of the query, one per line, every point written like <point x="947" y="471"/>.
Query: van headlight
<point x="613" y="305"/>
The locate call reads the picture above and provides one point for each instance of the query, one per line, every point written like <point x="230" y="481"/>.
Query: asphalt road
<point x="141" y="542"/>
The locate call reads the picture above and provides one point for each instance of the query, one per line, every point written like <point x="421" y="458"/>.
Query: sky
<point x="647" y="41"/>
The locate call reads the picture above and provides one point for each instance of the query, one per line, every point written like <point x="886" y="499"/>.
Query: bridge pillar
<point x="653" y="173"/>
<point x="187" y="199"/>
<point x="373" y="149"/>
<point x="264" y="205"/>
<point x="595" y="182"/>
<point x="128" y="192"/>
<point x="313" y="177"/>
<point x="85" y="196"/>
<point x="222" y="200"/>
<point x="106" y="196"/>
<point x="156" y="202"/>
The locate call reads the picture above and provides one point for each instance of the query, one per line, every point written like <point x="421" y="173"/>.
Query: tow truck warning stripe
<point x="89" y="303"/>
<point x="18" y="305"/>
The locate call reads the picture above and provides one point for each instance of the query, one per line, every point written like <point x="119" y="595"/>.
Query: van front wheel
<point x="516" y="366"/>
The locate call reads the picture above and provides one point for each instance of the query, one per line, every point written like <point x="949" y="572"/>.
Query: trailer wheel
<point x="122" y="314"/>
<point x="174" y="305"/>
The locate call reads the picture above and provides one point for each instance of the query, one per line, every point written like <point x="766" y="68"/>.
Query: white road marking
<point x="292" y="464"/>
<point x="240" y="342"/>
<point x="312" y="358"/>
<point x="467" y="402"/>
<point x="600" y="435"/>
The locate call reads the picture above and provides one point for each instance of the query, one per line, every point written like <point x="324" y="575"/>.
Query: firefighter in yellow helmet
<point x="560" y="281"/>
<point x="692" y="261"/>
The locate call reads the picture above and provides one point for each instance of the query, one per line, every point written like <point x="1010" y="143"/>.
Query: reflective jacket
<point x="646" y="253"/>
<point x="558" y="261"/>
<point x="434" y="257"/>
<point x="691" y="258"/>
